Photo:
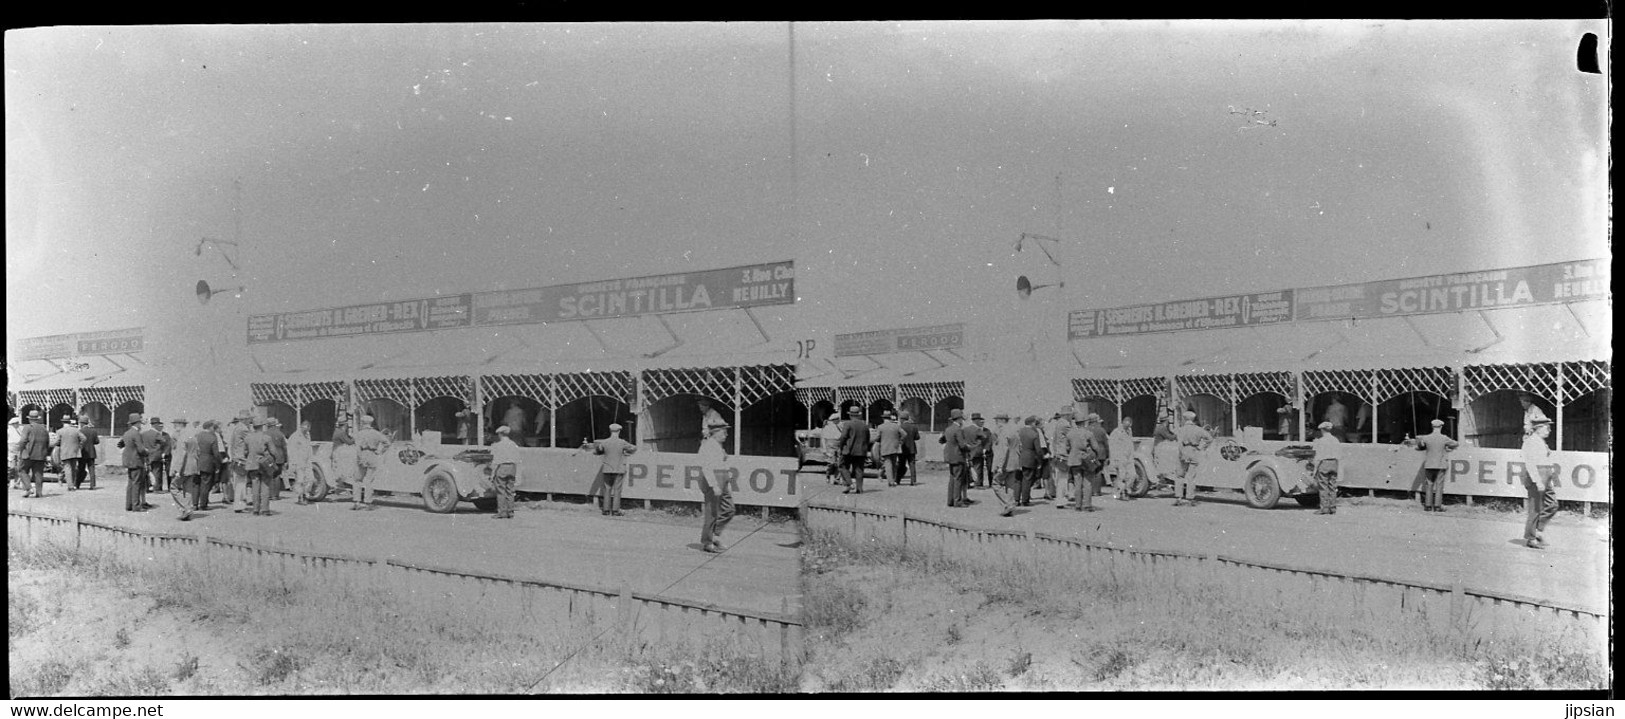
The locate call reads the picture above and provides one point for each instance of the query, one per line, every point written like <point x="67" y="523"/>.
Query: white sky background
<point x="391" y="162"/>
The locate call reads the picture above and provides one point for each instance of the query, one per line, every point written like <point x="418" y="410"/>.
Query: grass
<point x="1174" y="628"/>
<point x="188" y="628"/>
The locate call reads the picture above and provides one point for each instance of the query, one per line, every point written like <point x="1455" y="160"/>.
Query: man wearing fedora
<point x="32" y="451"/>
<point x="909" y="448"/>
<point x="854" y="444"/>
<point x="614" y="451"/>
<point x="958" y="443"/>
<point x="1056" y="472"/>
<point x="89" y="445"/>
<point x="1029" y="451"/>
<point x="158" y="462"/>
<point x="891" y="448"/>
<point x="236" y="493"/>
<point x="1003" y="480"/>
<point x="1434" y="464"/>
<point x="258" y="463"/>
<point x="70" y="450"/>
<point x="979" y="457"/>
<point x="138" y="445"/>
<point x="279" y="456"/>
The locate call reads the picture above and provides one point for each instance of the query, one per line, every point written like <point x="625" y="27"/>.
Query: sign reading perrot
<point x="753" y="481"/>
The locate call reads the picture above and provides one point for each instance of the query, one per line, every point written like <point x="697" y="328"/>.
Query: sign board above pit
<point x="733" y="287"/>
<point x="81" y="344"/>
<point x="1455" y="292"/>
<point x="935" y="337"/>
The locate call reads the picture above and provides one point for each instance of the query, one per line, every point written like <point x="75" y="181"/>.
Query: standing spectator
<point x="14" y="443"/>
<point x="830" y="442"/>
<point x="1338" y="414"/>
<point x="89" y="449"/>
<point x="891" y="449"/>
<point x="32" y="452"/>
<point x="465" y="426"/>
<point x="1120" y="446"/>
<point x="1192" y="440"/>
<point x="910" y="449"/>
<point x="1004" y="480"/>
<point x="958" y="443"/>
<point x="370" y="445"/>
<point x="1056" y="472"/>
<point x="183" y="430"/>
<point x="514" y="419"/>
<point x="1165" y="448"/>
<point x="1434" y="463"/>
<point x="1328" y="451"/>
<point x="70" y="451"/>
<point x="158" y="471"/>
<point x="1287" y="422"/>
<point x="138" y="449"/>
<point x="854" y="445"/>
<point x="344" y="455"/>
<point x="207" y="445"/>
<point x="300" y="453"/>
<point x="1083" y="455"/>
<point x="976" y="473"/>
<point x="614" y="450"/>
<point x="258" y="463"/>
<point x="237" y="452"/>
<point x="505" y="462"/>
<point x="279" y="456"/>
<point x="1539" y="476"/>
<point x="719" y="503"/>
<point x="187" y="472"/>
<point x="1030" y="456"/>
<point x="1532" y="413"/>
<point x="709" y="417"/>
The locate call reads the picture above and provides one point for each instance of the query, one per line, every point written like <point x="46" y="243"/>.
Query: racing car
<point x="406" y="468"/>
<point x="1263" y="477"/>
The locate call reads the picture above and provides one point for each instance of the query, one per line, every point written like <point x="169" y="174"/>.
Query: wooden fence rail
<point x="1266" y="585"/>
<point x="567" y="605"/>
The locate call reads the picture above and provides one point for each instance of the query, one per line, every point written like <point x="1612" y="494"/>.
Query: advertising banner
<point x="430" y="313"/>
<point x="1476" y="471"/>
<point x="1540" y="284"/>
<point x="81" y="344"/>
<point x="747" y="286"/>
<point x="1204" y="314"/>
<point x="753" y="481"/>
<point x="934" y="337"/>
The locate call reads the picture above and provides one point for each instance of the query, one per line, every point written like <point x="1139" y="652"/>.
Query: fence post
<point x="785" y="658"/>
<point x="1032" y="546"/>
<point x="76" y="532"/>
<point x="624" y="603"/>
<point x="1458" y="606"/>
<point x="902" y="529"/>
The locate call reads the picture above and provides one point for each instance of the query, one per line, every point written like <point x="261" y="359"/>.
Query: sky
<point x="896" y="163"/>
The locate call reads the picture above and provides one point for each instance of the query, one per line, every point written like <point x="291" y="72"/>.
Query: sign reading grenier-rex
<point x="733" y="287"/>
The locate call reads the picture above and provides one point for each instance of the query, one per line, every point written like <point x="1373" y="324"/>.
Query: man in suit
<point x="977" y="473"/>
<point x="183" y="431"/>
<point x="854" y="446"/>
<point x="1077" y="450"/>
<point x="891" y="449"/>
<point x="32" y="451"/>
<point x="1029" y="456"/>
<point x="1001" y="449"/>
<point x="158" y="462"/>
<point x="70" y="448"/>
<point x="257" y="464"/>
<point x="1539" y="475"/>
<point x="614" y="451"/>
<point x="300" y="452"/>
<point x="1434" y="463"/>
<point x="1055" y="473"/>
<point x="207" y="449"/>
<point x="139" y="444"/>
<point x="279" y="456"/>
<point x="1192" y="440"/>
<point x="909" y="448"/>
<point x="958" y="443"/>
<point x="370" y="446"/>
<point x="236" y="493"/>
<point x="89" y="446"/>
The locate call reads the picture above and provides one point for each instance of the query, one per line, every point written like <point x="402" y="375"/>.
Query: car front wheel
<point x="1263" y="490"/>
<point x="439" y="492"/>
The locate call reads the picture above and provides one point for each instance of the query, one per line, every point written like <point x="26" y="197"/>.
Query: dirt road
<point x="562" y="542"/>
<point x="1381" y="537"/>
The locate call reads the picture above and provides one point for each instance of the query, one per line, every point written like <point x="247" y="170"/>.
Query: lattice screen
<point x="868" y="393"/>
<point x="112" y="397"/>
<point x="1582" y="377"/>
<point x="1253" y="383"/>
<point x="1394" y="382"/>
<point x="1105" y="389"/>
<point x="457" y="387"/>
<point x="575" y="385"/>
<point x="716" y="383"/>
<point x="1537" y="379"/>
<point x="810" y="396"/>
<point x="267" y="392"/>
<point x="1141" y="387"/>
<point x="931" y="392"/>
<point x="529" y="386"/>
<point x="399" y="390"/>
<point x="1356" y="382"/>
<point x="46" y="398"/>
<point x="1217" y="385"/>
<point x="763" y="381"/>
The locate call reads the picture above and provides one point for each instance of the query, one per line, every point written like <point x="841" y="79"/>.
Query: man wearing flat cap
<point x="612" y="468"/>
<point x="138" y="444"/>
<point x="719" y="501"/>
<point x="1539" y="474"/>
<point x="258" y="463"/>
<point x="32" y="451"/>
<point x="158" y="463"/>
<point x="1328" y="452"/>
<point x="1434" y="464"/>
<point x="505" y="464"/>
<point x="370" y="445"/>
<point x="1055" y="473"/>
<point x="1193" y="438"/>
<point x="977" y="474"/>
<point x="854" y="445"/>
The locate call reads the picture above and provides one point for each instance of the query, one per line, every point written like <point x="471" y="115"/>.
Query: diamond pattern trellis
<point x="313" y="391"/>
<point x="1394" y="382"/>
<point x="1356" y="382"/>
<point x="809" y="396"/>
<point x="1217" y="385"/>
<point x="112" y="397"/>
<point x="931" y="392"/>
<point x="267" y="392"/>
<point x="1141" y="387"/>
<point x="1537" y="379"/>
<point x="1580" y="378"/>
<point x="399" y="390"/>
<point x="1105" y="389"/>
<point x="716" y="383"/>
<point x="529" y="386"/>
<point x="457" y="387"/>
<point x="575" y="385"/>
<point x="868" y="393"/>
<point x="763" y="381"/>
<point x="46" y="398"/>
<point x="1254" y="383"/>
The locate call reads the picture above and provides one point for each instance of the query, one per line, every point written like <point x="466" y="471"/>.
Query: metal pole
<point x="552" y="411"/>
<point x="1557" y="422"/>
<point x="477" y="408"/>
<point x="739" y="413"/>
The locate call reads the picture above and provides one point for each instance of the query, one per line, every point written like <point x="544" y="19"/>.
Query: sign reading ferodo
<point x="747" y="286"/>
<point x="753" y="481"/>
